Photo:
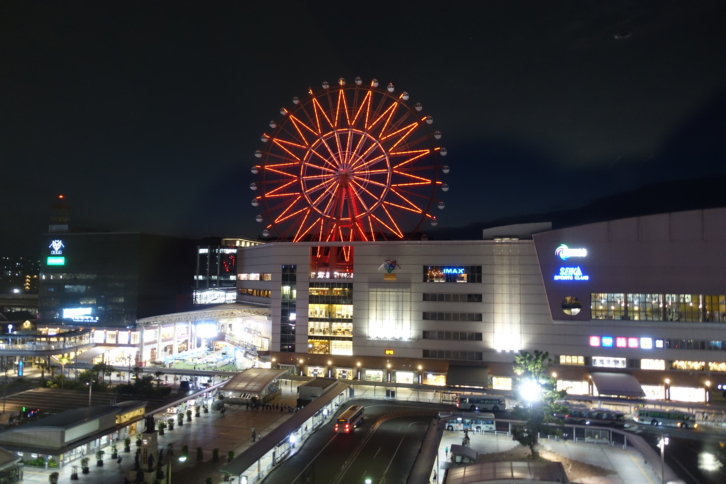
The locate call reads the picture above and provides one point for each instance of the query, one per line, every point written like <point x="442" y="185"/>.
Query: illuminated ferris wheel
<point x="349" y="162"/>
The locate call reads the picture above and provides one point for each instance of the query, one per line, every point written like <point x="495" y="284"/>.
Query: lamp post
<point x="662" y="445"/>
<point x="90" y="390"/>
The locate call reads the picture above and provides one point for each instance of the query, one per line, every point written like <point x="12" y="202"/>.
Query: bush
<point x="215" y="455"/>
<point x="53" y="478"/>
<point x="230" y="456"/>
<point x="200" y="454"/>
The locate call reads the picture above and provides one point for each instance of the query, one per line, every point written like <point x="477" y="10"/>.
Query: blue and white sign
<point x="564" y="252"/>
<point x="56" y="247"/>
<point x="453" y="270"/>
<point x="571" y="274"/>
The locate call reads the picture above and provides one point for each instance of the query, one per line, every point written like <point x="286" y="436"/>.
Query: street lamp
<point x="531" y="391"/>
<point x="90" y="390"/>
<point x="662" y="445"/>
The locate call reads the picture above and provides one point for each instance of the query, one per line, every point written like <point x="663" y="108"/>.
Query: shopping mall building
<point x="644" y="296"/>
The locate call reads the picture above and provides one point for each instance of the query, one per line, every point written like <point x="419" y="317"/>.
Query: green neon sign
<point x="56" y="261"/>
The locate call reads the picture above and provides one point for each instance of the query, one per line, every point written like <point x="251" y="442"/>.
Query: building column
<point x="175" y="344"/>
<point x="141" y="344"/>
<point x="158" y="342"/>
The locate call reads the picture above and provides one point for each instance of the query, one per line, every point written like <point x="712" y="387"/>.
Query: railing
<point x="43" y="346"/>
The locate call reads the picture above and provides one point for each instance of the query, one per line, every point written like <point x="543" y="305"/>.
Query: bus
<point x="583" y="415"/>
<point x="481" y="423"/>
<point x="476" y="404"/>
<point x="666" y="418"/>
<point x="350" y="419"/>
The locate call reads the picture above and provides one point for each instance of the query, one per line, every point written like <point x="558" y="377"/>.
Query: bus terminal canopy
<point x="254" y="380"/>
<point x="617" y="384"/>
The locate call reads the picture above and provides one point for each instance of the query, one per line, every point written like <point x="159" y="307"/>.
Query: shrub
<point x="215" y="455"/>
<point x="200" y="454"/>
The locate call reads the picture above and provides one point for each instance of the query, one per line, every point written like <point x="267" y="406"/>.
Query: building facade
<point x="113" y="279"/>
<point x="633" y="295"/>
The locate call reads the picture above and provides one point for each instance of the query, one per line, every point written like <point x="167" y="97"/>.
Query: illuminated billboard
<point x="56" y="261"/>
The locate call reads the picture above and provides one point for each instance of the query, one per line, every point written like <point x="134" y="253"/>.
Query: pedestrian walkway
<point x="625" y="466"/>
<point x="231" y="431"/>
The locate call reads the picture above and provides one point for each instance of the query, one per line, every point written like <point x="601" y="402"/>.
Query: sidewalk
<point x="210" y="431"/>
<point x="627" y="466"/>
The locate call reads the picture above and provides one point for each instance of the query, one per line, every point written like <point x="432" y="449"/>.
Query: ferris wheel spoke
<point x="415" y="177"/>
<point x="300" y="227"/>
<point x="365" y="107"/>
<point x="370" y="162"/>
<point x="283" y="157"/>
<point x="322" y="195"/>
<point x="268" y="168"/>
<point x="282" y="217"/>
<point x="272" y="192"/>
<point x="390" y="111"/>
<point x="285" y="149"/>
<point x="406" y="130"/>
<point x="298" y="124"/>
<point x="323" y="159"/>
<point x="341" y="102"/>
<point x="317" y="167"/>
<point x="319" y="111"/>
<point x="391" y="204"/>
<point x="404" y="199"/>
<point x="416" y="155"/>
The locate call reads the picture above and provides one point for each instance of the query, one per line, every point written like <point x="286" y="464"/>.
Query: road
<point x="695" y="455"/>
<point x="384" y="454"/>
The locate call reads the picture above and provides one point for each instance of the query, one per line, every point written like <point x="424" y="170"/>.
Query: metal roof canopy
<point x="544" y="472"/>
<point x="619" y="384"/>
<point x="467" y="376"/>
<point x="248" y="458"/>
<point x="253" y="380"/>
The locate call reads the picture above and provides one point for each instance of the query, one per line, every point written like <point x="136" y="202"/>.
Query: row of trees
<point x="100" y="377"/>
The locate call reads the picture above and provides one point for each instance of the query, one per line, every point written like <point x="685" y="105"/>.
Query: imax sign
<point x="453" y="270"/>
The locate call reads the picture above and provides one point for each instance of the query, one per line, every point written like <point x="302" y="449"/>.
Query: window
<point x="648" y="364"/>
<point x="571" y="306"/>
<point x="255" y="292"/>
<point x="431" y="316"/>
<point x="452" y="297"/>
<point x="452" y="335"/>
<point x="659" y="307"/>
<point x="688" y="365"/>
<point x="253" y="277"/>
<point x="452" y="355"/>
<point x="572" y="360"/>
<point x="451" y="273"/>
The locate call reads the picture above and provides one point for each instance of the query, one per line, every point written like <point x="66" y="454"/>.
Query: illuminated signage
<point x="56" y="247"/>
<point x="389" y="352"/>
<point x="56" y="261"/>
<point x="79" y="315"/>
<point x="571" y="274"/>
<point x="564" y="252"/>
<point x="453" y="270"/>
<point x="643" y="343"/>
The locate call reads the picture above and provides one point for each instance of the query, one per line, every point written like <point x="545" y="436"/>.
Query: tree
<point x="63" y="360"/>
<point x="158" y="375"/>
<point x="103" y="369"/>
<point x="535" y="386"/>
<point x="136" y="371"/>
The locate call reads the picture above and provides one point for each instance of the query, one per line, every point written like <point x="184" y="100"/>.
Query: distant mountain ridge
<point x="663" y="197"/>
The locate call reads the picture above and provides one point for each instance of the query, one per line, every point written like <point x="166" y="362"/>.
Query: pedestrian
<point x="434" y="476"/>
<point x="446" y="449"/>
<point x="253" y="434"/>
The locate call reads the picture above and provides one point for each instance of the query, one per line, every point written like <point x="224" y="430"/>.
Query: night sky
<point x="146" y="115"/>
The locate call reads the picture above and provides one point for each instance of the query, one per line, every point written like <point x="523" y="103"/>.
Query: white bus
<point x="481" y="423"/>
<point x="479" y="403"/>
<point x="666" y="418"/>
<point x="350" y="419"/>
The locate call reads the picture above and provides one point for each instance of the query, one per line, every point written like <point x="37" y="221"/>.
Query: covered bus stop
<point x="255" y="463"/>
<point x="260" y="383"/>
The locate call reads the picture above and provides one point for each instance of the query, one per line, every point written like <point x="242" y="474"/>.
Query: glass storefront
<point x="404" y="377"/>
<point x="659" y="307"/>
<point x="319" y="346"/>
<point x="341" y="347"/>
<point x="501" y="383"/>
<point x="688" y="394"/>
<point x="373" y="375"/>
<point x="437" y="379"/>
<point x="317" y="371"/>
<point x="654" y="392"/>
<point x="573" y="387"/>
<point x="344" y="373"/>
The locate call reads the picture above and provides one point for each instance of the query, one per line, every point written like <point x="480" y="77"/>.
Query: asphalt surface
<point x="384" y="454"/>
<point x="696" y="456"/>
